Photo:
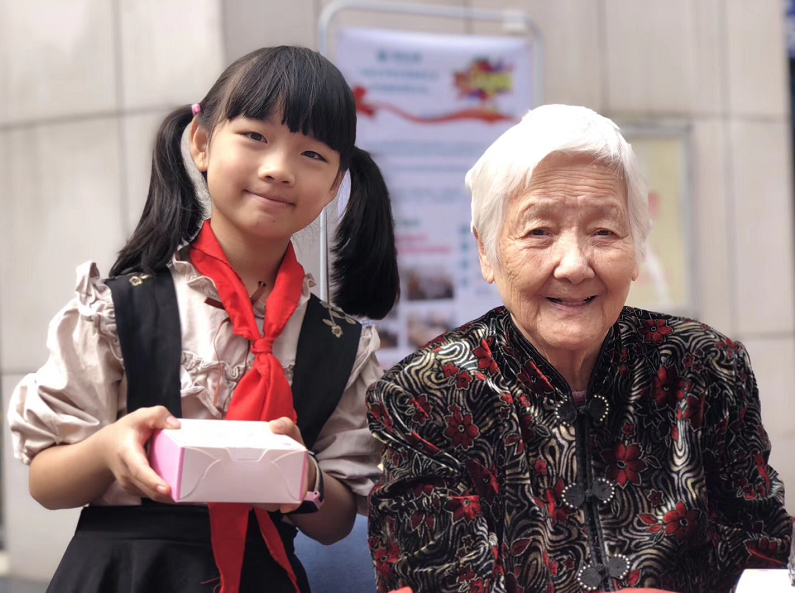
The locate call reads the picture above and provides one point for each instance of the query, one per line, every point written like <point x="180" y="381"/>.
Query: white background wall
<point x="85" y="83"/>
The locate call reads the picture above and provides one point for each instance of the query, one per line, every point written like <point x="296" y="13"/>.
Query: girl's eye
<point x="314" y="155"/>
<point x="255" y="136"/>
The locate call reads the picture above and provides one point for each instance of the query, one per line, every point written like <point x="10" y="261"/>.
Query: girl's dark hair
<point x="315" y="100"/>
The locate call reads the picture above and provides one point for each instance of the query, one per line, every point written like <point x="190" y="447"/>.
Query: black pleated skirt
<point x="157" y="548"/>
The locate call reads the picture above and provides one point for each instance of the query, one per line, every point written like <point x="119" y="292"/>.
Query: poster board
<point x="665" y="282"/>
<point x="428" y="106"/>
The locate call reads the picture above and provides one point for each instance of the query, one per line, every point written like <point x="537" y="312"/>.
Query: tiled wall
<point x="84" y="84"/>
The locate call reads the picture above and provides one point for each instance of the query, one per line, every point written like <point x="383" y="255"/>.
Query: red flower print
<point x="460" y="429"/>
<point x="761" y="465"/>
<point x="464" y="507"/>
<point x="729" y="347"/>
<point x="527" y="426"/>
<point x="749" y="492"/>
<point x="463" y="379"/>
<point x="450" y="370"/>
<point x="477" y="586"/>
<point x="692" y="411"/>
<point x="485" y="361"/>
<point x="633" y="578"/>
<point x="438" y="339"/>
<point x="669" y="387"/>
<point x="737" y="426"/>
<point x="385" y="559"/>
<point x="532" y="377"/>
<point x="766" y="550"/>
<point x="628" y="429"/>
<point x="380" y="414"/>
<point x="624" y="464"/>
<point x="420" y="520"/>
<point x="694" y="363"/>
<point x="655" y="330"/>
<point x="484" y="480"/>
<point x="553" y="568"/>
<point x="466" y="574"/>
<point x="415" y="440"/>
<point x="680" y="522"/>
<point x="423" y="490"/>
<point x="520" y="547"/>
<point x="551" y="501"/>
<point x="540" y="467"/>
<point x="739" y="480"/>
<point x="654" y="526"/>
<point x="655" y="498"/>
<point x="421" y="409"/>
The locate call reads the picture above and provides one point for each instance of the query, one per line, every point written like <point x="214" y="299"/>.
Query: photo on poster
<point x="428" y="283"/>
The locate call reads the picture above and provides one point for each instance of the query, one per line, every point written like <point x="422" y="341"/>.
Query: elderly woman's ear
<point x="485" y="264"/>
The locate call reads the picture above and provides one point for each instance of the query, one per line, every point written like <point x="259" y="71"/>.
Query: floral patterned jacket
<point x="494" y="481"/>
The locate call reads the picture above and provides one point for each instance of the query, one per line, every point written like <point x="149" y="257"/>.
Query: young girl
<point x="214" y="319"/>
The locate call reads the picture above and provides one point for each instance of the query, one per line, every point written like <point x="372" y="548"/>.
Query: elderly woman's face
<point x="566" y="256"/>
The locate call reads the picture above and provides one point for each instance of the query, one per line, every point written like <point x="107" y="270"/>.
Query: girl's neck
<point x="255" y="260"/>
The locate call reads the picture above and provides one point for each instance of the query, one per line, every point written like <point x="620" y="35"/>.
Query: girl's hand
<point x="286" y="426"/>
<point x="125" y="456"/>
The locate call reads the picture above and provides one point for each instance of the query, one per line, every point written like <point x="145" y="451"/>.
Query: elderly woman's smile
<point x="565" y="257"/>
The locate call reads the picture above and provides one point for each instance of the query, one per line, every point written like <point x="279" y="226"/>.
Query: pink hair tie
<point x="195" y="108"/>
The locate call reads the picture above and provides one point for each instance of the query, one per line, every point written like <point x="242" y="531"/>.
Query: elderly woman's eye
<point x="604" y="233"/>
<point x="538" y="232"/>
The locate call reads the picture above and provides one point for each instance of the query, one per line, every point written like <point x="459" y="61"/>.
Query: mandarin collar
<point x="545" y="379"/>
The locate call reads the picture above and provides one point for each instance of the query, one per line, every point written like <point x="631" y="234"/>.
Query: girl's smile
<point x="264" y="180"/>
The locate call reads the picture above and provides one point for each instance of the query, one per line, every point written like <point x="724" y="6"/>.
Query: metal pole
<point x="513" y="20"/>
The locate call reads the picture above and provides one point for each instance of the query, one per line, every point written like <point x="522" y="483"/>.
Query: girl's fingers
<point x="158" y="417"/>
<point x="143" y="476"/>
<point x="288" y="508"/>
<point x="287" y="427"/>
<point x="271" y="508"/>
<point x="130" y="488"/>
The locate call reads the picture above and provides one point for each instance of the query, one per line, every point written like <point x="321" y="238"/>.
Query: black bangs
<point x="309" y="90"/>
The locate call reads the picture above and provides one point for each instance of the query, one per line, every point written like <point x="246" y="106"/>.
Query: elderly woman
<point x="565" y="442"/>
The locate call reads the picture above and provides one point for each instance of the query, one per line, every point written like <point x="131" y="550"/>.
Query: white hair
<point x="507" y="167"/>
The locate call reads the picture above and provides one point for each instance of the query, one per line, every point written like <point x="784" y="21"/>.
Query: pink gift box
<point x="229" y="461"/>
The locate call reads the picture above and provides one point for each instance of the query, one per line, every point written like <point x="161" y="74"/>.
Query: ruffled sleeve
<point x="345" y="447"/>
<point x="76" y="392"/>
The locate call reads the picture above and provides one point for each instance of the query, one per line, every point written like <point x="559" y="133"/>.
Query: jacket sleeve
<point x="79" y="389"/>
<point x="427" y="529"/>
<point x="746" y="496"/>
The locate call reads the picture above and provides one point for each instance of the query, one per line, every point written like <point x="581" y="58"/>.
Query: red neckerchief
<point x="262" y="394"/>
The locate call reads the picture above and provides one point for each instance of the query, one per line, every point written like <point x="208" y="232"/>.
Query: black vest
<point x="147" y="321"/>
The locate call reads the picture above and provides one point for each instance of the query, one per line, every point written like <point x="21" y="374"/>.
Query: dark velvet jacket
<point x="494" y="481"/>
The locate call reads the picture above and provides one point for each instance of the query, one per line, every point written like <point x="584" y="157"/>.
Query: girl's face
<point x="265" y="181"/>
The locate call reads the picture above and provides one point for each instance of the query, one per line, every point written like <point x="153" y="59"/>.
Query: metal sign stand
<point x="513" y="21"/>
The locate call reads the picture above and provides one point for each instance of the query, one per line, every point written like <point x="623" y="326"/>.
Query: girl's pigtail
<point x="365" y="270"/>
<point x="172" y="213"/>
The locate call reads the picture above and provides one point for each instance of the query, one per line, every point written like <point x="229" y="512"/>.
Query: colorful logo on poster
<point x="484" y="79"/>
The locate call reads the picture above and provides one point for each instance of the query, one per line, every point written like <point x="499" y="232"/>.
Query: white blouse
<point x="82" y="387"/>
